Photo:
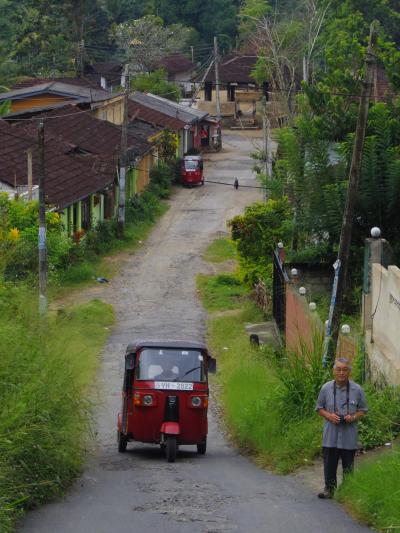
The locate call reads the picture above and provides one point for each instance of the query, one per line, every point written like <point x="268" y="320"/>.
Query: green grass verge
<point x="250" y="397"/>
<point x="250" y="388"/>
<point x="220" y="250"/>
<point x="372" y="493"/>
<point x="47" y="369"/>
<point x="221" y="292"/>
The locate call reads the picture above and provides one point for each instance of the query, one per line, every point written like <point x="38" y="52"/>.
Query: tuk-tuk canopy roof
<point x="178" y="344"/>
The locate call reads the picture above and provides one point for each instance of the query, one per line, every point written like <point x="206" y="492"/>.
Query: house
<point x="75" y="181"/>
<point x="179" y="70"/>
<point x="106" y="74"/>
<point x="185" y="122"/>
<point x="81" y="159"/>
<point x="238" y="91"/>
<point x="53" y="94"/>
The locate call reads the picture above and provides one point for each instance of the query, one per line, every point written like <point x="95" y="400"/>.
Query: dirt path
<point x="154" y="294"/>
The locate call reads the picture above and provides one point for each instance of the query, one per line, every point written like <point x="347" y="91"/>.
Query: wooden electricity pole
<point x="123" y="158"/>
<point x="42" y="224"/>
<point x="332" y="330"/>
<point x="217" y="97"/>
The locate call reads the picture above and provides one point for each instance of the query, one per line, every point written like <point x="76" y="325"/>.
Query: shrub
<point x="256" y="234"/>
<point x="161" y="178"/>
<point x="301" y="376"/>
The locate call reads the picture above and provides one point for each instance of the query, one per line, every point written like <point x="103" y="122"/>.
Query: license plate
<point x="171" y="385"/>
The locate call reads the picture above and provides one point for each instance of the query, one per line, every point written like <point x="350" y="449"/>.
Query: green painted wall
<point x="96" y="209"/>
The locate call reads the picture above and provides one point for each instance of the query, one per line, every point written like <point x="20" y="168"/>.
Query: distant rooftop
<point x="183" y="113"/>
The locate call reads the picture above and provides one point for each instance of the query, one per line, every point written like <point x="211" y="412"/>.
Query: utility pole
<point x="341" y="268"/>
<point x="123" y="158"/>
<point x="82" y="58"/>
<point x="30" y="174"/>
<point x="218" y="102"/>
<point x="267" y="144"/>
<point x="192" y="51"/>
<point x="42" y="224"/>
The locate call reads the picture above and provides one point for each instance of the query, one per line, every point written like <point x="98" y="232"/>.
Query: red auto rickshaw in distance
<point x="165" y="395"/>
<point x="192" y="170"/>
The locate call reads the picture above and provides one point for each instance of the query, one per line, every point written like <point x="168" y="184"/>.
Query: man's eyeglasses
<point x="338" y="370"/>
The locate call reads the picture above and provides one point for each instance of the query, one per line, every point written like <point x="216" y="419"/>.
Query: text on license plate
<point x="170" y="385"/>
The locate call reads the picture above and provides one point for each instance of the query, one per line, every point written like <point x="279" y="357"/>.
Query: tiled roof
<point x="175" y="64"/>
<point x="32" y="82"/>
<point x="69" y="178"/>
<point x="382" y="90"/>
<point x="171" y="109"/>
<point x="153" y="117"/>
<point x="234" y="69"/>
<point x="106" y="67"/>
<point x="82" y="130"/>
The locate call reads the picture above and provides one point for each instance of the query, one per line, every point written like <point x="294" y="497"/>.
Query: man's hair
<point x="344" y="361"/>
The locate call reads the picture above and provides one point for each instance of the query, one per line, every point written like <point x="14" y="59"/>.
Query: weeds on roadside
<point x="372" y="493"/>
<point x="46" y="370"/>
<point x="301" y="375"/>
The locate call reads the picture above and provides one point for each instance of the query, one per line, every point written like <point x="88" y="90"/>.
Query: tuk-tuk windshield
<point x="170" y="365"/>
<point x="191" y="164"/>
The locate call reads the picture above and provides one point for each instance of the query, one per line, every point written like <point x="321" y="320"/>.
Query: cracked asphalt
<point x="154" y="295"/>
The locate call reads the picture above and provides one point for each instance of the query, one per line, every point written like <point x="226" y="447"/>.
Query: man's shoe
<point x="325" y="494"/>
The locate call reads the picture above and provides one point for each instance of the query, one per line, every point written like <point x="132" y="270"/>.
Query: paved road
<point x="154" y="294"/>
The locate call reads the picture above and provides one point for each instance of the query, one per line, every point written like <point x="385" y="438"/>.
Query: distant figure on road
<point x="236" y="184"/>
<point x="342" y="403"/>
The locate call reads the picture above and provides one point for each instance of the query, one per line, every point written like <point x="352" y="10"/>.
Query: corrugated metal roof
<point x="169" y="108"/>
<point x="84" y="94"/>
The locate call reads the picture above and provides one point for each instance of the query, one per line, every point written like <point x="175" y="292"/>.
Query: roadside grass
<point x="250" y="389"/>
<point x="221" y="292"/>
<point x="47" y="372"/>
<point x="84" y="273"/>
<point x="250" y="392"/>
<point x="372" y="493"/>
<point x="220" y="250"/>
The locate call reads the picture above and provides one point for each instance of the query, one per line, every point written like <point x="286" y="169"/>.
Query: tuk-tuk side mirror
<point x="212" y="365"/>
<point x="130" y="361"/>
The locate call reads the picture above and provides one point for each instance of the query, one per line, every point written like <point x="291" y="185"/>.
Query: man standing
<point x="342" y="403"/>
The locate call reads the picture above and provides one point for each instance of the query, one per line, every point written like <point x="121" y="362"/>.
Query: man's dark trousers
<point x="331" y="460"/>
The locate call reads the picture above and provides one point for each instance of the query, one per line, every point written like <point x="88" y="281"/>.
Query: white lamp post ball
<point x="280" y="244"/>
<point x="294" y="272"/>
<point x="375" y="232"/>
<point x="345" y="329"/>
<point x="302" y="291"/>
<point x="312" y="306"/>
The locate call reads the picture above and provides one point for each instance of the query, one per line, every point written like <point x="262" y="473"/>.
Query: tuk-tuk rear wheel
<point x="171" y="448"/>
<point x="202" y="447"/>
<point x="122" y="442"/>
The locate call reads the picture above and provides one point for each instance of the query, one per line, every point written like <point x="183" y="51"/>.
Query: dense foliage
<point x="256" y="234"/>
<point x="67" y="253"/>
<point x="43" y="37"/>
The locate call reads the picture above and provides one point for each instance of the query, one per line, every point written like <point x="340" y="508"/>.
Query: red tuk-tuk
<point x="165" y="395"/>
<point x="192" y="170"/>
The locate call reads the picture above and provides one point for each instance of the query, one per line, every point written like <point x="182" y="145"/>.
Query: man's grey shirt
<point x="344" y="436"/>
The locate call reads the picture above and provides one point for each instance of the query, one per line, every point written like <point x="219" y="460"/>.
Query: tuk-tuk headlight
<point x="147" y="400"/>
<point x="196" y="401"/>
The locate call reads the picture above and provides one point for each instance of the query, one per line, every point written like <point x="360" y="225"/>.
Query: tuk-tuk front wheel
<point x="171" y="448"/>
<point x="202" y="447"/>
<point x="122" y="442"/>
